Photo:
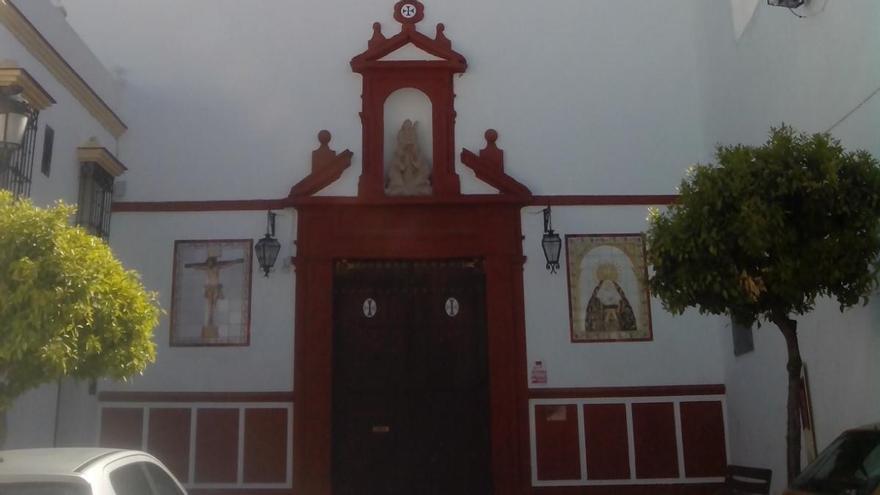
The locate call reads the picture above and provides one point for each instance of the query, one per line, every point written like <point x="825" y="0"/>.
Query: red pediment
<point x="379" y="46"/>
<point x="410" y="60"/>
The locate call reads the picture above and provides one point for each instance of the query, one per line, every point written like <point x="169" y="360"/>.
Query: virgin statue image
<point x="609" y="310"/>
<point x="408" y="174"/>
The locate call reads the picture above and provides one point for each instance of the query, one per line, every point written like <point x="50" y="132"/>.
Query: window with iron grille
<point x="95" y="199"/>
<point x="17" y="171"/>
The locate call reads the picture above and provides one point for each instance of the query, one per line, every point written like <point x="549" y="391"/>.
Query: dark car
<point x="849" y="466"/>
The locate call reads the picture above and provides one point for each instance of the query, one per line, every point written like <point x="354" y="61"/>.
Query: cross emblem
<point x="408" y="11"/>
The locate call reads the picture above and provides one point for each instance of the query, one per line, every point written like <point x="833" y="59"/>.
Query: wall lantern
<point x="268" y="247"/>
<point x="551" y="243"/>
<point x="14" y="116"/>
<point x="789" y="4"/>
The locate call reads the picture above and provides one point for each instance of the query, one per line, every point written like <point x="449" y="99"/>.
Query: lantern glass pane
<point x="17" y="140"/>
<point x="267" y="250"/>
<point x="552" y="245"/>
<point x="16" y="124"/>
<point x="260" y="249"/>
<point x="272" y="249"/>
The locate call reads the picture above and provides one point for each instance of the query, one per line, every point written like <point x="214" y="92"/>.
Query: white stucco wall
<point x="598" y="97"/>
<point x="684" y="349"/>
<point x="588" y="97"/>
<point x="145" y="242"/>
<point x="73" y="125"/>
<point x="808" y="73"/>
<point x="594" y="100"/>
<point x="31" y="420"/>
<point x="51" y="22"/>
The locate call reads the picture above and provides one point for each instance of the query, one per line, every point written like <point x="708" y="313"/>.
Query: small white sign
<point x="370" y="307"/>
<point x="452" y="307"/>
<point x="539" y="374"/>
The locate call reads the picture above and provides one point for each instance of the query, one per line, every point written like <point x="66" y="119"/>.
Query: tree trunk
<point x="788" y="327"/>
<point x="2" y="427"/>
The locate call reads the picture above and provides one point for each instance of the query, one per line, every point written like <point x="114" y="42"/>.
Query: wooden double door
<point x="410" y="379"/>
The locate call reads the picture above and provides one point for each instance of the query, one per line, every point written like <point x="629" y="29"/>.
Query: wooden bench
<point x="746" y="480"/>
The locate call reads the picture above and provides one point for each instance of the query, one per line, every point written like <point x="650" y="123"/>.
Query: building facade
<point x="69" y="154"/>
<point x="411" y="330"/>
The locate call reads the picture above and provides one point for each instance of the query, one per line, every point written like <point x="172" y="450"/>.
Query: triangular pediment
<point x="409" y="46"/>
<point x="409" y="51"/>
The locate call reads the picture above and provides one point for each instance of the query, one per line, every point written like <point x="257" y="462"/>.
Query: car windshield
<point x="850" y="465"/>
<point x="44" y="488"/>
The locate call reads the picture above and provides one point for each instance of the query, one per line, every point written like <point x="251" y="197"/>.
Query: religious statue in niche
<point x="211" y="292"/>
<point x="408" y="174"/>
<point x="608" y="290"/>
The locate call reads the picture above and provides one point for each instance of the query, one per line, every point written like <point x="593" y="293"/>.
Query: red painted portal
<point x="416" y="232"/>
<point x="444" y="225"/>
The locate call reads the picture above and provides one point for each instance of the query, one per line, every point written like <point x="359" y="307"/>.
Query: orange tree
<point x="67" y="306"/>
<point x="765" y="232"/>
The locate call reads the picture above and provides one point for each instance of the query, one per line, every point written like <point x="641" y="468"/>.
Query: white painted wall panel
<point x="31" y="420"/>
<point x="145" y="242"/>
<point x="685" y="349"/>
<point x="808" y="73"/>
<point x="227" y="97"/>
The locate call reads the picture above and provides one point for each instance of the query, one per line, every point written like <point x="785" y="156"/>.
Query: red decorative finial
<point x="441" y="36"/>
<point x="378" y="37"/>
<point x="409" y="12"/>
<point x="323" y="156"/>
<point x="491" y="154"/>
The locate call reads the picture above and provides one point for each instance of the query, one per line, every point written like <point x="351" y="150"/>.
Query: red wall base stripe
<point x="216" y="446"/>
<point x="655" y="443"/>
<point x="168" y="439"/>
<point x="556" y="433"/>
<point x="702" y="434"/>
<point x="122" y="428"/>
<point x="607" y="442"/>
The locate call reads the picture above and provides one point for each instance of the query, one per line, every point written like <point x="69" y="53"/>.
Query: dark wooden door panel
<point x="410" y="379"/>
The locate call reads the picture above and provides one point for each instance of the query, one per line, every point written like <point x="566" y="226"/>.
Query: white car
<point x="84" y="471"/>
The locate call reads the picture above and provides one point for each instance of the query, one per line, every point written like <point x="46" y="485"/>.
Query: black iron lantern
<point x="789" y="4"/>
<point x="551" y="243"/>
<point x="14" y="116"/>
<point x="268" y="247"/>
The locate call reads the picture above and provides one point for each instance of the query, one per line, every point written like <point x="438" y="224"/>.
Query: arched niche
<point x="412" y="104"/>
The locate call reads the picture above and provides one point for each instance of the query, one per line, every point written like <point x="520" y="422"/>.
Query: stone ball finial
<point x="491" y="136"/>
<point x="324" y="136"/>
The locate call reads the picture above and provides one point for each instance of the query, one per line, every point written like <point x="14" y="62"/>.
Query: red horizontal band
<point x="270" y="204"/>
<point x="195" y="396"/>
<point x="602" y="392"/>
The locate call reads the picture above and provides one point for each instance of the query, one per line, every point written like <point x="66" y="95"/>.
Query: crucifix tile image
<point x="211" y="292"/>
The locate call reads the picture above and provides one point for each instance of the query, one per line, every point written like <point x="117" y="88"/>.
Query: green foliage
<point x="769" y="229"/>
<point x="67" y="306"/>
